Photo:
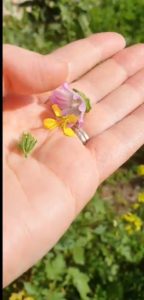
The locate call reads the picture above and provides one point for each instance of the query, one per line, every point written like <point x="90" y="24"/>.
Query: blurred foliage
<point x="46" y="24"/>
<point x="101" y="257"/>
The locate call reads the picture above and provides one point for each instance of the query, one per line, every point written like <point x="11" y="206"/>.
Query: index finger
<point x="27" y="72"/>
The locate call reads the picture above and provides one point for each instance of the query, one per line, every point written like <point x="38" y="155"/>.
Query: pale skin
<point x="45" y="192"/>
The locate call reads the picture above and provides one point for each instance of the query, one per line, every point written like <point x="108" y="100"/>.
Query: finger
<point x="84" y="54"/>
<point x="114" y="146"/>
<point x="106" y="77"/>
<point x="35" y="73"/>
<point x="116" y="105"/>
<point x="29" y="72"/>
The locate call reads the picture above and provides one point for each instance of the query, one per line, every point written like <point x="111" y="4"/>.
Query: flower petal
<point x="50" y="123"/>
<point x="61" y="102"/>
<point x="81" y="119"/>
<point x="57" y="111"/>
<point x="68" y="131"/>
<point x="141" y="197"/>
<point x="71" y="119"/>
<point x="66" y="85"/>
<point x="82" y="107"/>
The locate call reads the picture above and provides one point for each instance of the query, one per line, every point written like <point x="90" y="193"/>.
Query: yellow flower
<point x="141" y="197"/>
<point x="62" y="121"/>
<point x="129" y="217"/>
<point x="17" y="296"/>
<point x="135" y="222"/>
<point x="20" y="296"/>
<point x="138" y="224"/>
<point x="140" y="170"/>
<point x="129" y="229"/>
<point x="135" y="206"/>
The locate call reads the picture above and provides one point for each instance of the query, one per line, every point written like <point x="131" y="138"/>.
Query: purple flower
<point x="69" y="102"/>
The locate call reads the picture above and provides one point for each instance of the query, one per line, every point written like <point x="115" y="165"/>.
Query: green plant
<point x="98" y="259"/>
<point x="50" y="24"/>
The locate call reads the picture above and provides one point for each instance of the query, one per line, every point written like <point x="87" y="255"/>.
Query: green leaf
<point x="126" y="252"/>
<point x="99" y="205"/>
<point x="85" y="98"/>
<point x="55" y="267"/>
<point x="100" y="229"/>
<point x="80" y="281"/>
<point x="30" y="289"/>
<point x="84" y="23"/>
<point x="54" y="295"/>
<point x="78" y="255"/>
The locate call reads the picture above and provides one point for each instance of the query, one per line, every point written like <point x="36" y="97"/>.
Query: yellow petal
<point x="71" y="119"/>
<point x="22" y="293"/>
<point x="140" y="170"/>
<point x="50" y="123"/>
<point x="129" y="229"/>
<point x="13" y="297"/>
<point x="135" y="205"/>
<point x="141" y="197"/>
<point x="68" y="131"/>
<point x="17" y="296"/>
<point x="57" y="111"/>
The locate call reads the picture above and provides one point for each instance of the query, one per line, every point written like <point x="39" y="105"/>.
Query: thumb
<point x="27" y="72"/>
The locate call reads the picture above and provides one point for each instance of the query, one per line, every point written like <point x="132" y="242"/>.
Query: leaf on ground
<point x="55" y="267"/>
<point x="80" y="281"/>
<point x="78" y="255"/>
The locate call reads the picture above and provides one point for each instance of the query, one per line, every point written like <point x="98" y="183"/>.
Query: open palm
<point x="44" y="193"/>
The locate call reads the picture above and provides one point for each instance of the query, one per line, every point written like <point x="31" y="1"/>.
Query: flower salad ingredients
<point x="69" y="106"/>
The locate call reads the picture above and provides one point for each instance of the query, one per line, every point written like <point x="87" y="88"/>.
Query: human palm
<point x="44" y="193"/>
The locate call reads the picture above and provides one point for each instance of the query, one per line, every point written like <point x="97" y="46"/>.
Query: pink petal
<point x="66" y="86"/>
<point x="82" y="107"/>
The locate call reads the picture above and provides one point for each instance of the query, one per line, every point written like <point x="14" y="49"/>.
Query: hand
<point x="44" y="193"/>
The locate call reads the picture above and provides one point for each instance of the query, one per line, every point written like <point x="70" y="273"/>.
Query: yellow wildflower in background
<point x="129" y="229"/>
<point x="140" y="200"/>
<point x="138" y="224"/>
<point x="17" y="296"/>
<point x="140" y="170"/>
<point x="135" y="222"/>
<point x="20" y="296"/>
<point x="129" y="217"/>
<point x="141" y="197"/>
<point x="135" y="206"/>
